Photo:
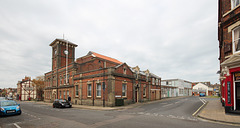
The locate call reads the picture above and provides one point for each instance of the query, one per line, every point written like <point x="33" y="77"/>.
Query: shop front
<point x="230" y="79"/>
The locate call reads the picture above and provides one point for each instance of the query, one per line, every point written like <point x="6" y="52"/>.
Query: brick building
<point x="229" y="49"/>
<point x="95" y="79"/>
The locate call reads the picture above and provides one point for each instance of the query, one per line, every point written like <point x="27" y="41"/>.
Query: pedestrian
<point x="69" y="98"/>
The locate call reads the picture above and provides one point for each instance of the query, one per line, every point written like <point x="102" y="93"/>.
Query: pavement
<point x="214" y="111"/>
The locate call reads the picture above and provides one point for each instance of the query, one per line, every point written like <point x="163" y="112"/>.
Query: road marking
<point x="166" y="105"/>
<point x="204" y="102"/>
<point x="16" y="125"/>
<point x="177" y="102"/>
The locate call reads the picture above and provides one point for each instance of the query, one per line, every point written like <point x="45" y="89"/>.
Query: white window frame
<point x="234" y="3"/>
<point x="89" y="91"/>
<point x="124" y="91"/>
<point x="233" y="40"/>
<point x="98" y="90"/>
<point x="153" y="81"/>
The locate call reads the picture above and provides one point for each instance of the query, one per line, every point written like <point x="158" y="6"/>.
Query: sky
<point x="174" y="39"/>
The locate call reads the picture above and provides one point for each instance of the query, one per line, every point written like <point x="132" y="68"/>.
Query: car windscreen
<point x="62" y="101"/>
<point x="7" y="103"/>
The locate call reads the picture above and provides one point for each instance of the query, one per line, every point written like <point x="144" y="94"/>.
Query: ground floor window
<point x="64" y="95"/>
<point x="60" y="94"/>
<point x="144" y="92"/>
<point x="76" y="90"/>
<point x="89" y="90"/>
<point x="124" y="90"/>
<point x="180" y="91"/>
<point x="99" y="90"/>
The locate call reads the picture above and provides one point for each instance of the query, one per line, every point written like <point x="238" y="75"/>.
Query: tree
<point x="39" y="83"/>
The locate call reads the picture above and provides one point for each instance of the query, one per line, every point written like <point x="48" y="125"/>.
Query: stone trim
<point x="233" y="26"/>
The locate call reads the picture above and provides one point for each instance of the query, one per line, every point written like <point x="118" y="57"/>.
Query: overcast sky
<point x="171" y="38"/>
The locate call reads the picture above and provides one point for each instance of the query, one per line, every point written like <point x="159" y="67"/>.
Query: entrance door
<point x="237" y="95"/>
<point x="136" y="95"/>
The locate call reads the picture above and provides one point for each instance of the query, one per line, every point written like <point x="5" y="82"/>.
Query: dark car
<point x="9" y="107"/>
<point x="59" y="103"/>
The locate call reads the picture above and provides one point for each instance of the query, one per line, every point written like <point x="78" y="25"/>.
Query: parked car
<point x="60" y="103"/>
<point x="202" y="94"/>
<point x="9" y="107"/>
<point x="2" y="98"/>
<point x="9" y="98"/>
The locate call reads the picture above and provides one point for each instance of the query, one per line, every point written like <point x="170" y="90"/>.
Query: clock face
<point x="66" y="52"/>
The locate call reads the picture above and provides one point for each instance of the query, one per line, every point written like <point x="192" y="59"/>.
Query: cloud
<point x="173" y="39"/>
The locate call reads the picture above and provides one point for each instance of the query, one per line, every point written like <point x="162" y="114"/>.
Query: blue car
<point x="9" y="107"/>
<point x="202" y="94"/>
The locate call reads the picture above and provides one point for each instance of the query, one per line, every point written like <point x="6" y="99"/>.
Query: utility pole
<point x="93" y="92"/>
<point x="104" y="66"/>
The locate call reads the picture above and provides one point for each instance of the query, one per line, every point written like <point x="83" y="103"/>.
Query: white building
<point x="26" y="89"/>
<point x="202" y="88"/>
<point x="176" y="87"/>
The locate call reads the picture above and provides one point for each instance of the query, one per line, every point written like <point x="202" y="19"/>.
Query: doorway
<point x="237" y="95"/>
<point x="136" y="94"/>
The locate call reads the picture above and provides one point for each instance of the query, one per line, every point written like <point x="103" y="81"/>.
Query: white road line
<point x="204" y="102"/>
<point x="16" y="125"/>
<point x="177" y="102"/>
<point x="166" y="105"/>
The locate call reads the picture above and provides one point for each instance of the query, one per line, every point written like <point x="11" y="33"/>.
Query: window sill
<point x="231" y="10"/>
<point x="236" y="53"/>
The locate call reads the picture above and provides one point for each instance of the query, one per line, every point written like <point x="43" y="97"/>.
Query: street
<point x="170" y="113"/>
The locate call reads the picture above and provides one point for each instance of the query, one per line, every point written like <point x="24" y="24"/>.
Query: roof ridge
<point x="104" y="57"/>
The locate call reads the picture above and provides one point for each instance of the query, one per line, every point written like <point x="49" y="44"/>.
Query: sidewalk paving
<point x="214" y="111"/>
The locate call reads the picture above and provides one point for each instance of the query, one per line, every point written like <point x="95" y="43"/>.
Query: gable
<point x="200" y="85"/>
<point x="120" y="69"/>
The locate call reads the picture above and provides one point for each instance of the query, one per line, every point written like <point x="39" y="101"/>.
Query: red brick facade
<point x="229" y="49"/>
<point x="95" y="79"/>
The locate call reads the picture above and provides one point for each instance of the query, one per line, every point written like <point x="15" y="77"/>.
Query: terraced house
<point x="95" y="79"/>
<point x="229" y="51"/>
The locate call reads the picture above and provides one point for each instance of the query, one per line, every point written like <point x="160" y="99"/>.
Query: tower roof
<point x="63" y="42"/>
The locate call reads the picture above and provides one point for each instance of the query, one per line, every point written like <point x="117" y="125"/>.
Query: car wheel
<point x="20" y="113"/>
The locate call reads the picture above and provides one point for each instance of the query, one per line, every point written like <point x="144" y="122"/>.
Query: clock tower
<point x="62" y="50"/>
